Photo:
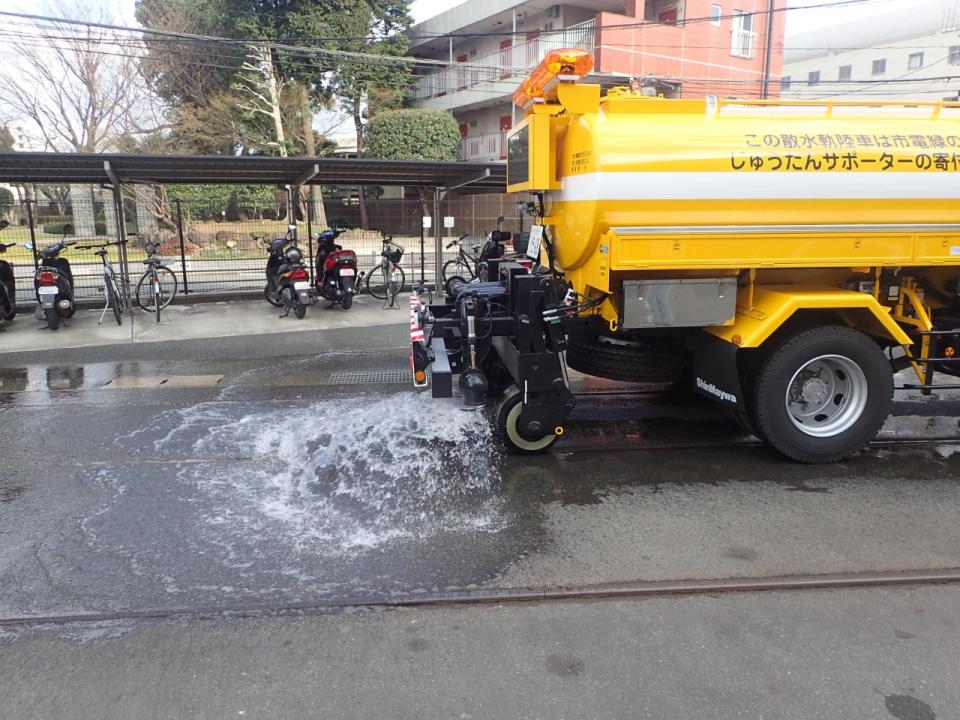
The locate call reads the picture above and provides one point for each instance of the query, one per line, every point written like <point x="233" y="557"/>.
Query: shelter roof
<point x="105" y="168"/>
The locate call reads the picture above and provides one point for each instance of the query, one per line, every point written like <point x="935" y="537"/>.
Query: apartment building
<point x="683" y="48"/>
<point x="907" y="55"/>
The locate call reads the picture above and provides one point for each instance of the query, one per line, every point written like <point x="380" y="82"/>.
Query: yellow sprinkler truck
<point x="784" y="258"/>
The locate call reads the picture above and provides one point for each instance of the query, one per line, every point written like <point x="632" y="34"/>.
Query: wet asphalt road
<point x="263" y="481"/>
<point x="268" y="483"/>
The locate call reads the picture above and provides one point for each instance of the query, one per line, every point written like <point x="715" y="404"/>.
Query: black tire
<point x="376" y="283"/>
<point x="269" y="297"/>
<point x="397" y="280"/>
<point x="114" y="301"/>
<point x="649" y="361"/>
<point x="52" y="316"/>
<point x="346" y="301"/>
<point x="8" y="304"/>
<point x="167" y="279"/>
<point x="508" y="412"/>
<point x="299" y="310"/>
<point x="748" y="380"/>
<point x="862" y="417"/>
<point x="456" y="268"/>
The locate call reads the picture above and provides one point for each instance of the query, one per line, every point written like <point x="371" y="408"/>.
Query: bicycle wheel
<point x="456" y="268"/>
<point x="144" y="294"/>
<point x="167" y="280"/>
<point x="157" y="296"/>
<point x="113" y="299"/>
<point x="377" y="283"/>
<point x="395" y="281"/>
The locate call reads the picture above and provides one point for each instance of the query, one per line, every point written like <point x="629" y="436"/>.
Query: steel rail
<point x="617" y="590"/>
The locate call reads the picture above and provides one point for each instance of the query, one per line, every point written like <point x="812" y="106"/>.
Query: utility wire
<point x="371" y="56"/>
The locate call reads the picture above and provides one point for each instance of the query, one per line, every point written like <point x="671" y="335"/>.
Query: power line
<point x="370" y="56"/>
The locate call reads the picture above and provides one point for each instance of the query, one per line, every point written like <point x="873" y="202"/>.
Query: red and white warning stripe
<point x="416" y="333"/>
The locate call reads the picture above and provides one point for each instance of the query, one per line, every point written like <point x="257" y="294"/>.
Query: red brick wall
<point x="696" y="52"/>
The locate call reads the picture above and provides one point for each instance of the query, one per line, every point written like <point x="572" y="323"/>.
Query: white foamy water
<point x="347" y="473"/>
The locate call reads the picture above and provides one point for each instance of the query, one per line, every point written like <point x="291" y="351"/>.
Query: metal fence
<point x="220" y="249"/>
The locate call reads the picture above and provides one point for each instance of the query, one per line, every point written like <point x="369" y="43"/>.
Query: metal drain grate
<point x="370" y="377"/>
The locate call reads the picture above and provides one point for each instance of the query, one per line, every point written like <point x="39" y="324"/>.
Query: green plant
<point x="413" y="135"/>
<point x="58" y="228"/>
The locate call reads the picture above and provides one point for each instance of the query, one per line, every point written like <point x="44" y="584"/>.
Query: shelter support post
<point x="33" y="233"/>
<point x="117" y="188"/>
<point x="438" y="240"/>
<point x="308" y="201"/>
<point x="183" y="245"/>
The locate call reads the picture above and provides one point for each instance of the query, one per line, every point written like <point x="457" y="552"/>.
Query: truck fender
<point x="774" y="305"/>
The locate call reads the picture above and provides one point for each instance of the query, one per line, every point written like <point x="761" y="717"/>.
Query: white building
<point x="494" y="63"/>
<point x="912" y="54"/>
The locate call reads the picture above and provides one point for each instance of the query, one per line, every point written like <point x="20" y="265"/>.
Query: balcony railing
<point x="504" y="63"/>
<point x="484" y="147"/>
<point x="743" y="43"/>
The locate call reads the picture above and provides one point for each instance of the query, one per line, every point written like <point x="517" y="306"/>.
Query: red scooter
<point x="336" y="277"/>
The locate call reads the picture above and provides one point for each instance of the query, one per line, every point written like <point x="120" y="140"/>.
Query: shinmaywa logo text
<point x="715" y="391"/>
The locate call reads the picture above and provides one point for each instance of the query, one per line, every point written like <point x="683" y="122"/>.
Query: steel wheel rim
<point x="826" y="396"/>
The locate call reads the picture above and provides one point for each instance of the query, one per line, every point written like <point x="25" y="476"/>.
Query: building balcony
<point x="743" y="43"/>
<point x="497" y="73"/>
<point x="486" y="148"/>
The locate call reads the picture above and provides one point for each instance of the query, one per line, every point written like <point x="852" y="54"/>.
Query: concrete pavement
<point x="186" y="321"/>
<point x="852" y="654"/>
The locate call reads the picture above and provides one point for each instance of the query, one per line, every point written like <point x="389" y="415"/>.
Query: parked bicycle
<point x="386" y="280"/>
<point x="473" y="265"/>
<point x="115" y="298"/>
<point x="157" y="286"/>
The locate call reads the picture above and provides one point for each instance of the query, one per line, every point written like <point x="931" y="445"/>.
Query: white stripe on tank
<point x="742" y="185"/>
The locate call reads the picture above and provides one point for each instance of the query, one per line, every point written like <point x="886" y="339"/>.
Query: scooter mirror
<point x="4" y="223"/>
<point x="28" y="245"/>
<point x="291" y="227"/>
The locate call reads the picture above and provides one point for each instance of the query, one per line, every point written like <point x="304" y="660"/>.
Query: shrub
<point x="413" y="135"/>
<point x="58" y="228"/>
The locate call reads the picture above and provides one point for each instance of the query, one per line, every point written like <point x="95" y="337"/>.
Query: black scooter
<point x="336" y="276"/>
<point x="288" y="281"/>
<point x="54" y="285"/>
<point x="8" y="286"/>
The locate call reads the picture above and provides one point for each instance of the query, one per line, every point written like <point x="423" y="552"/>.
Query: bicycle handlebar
<point x="101" y="245"/>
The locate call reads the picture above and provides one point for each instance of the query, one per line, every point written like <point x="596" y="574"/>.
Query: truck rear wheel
<point x="508" y="417"/>
<point x="822" y="394"/>
<point x="651" y="360"/>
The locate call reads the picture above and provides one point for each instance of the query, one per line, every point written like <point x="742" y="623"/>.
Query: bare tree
<point x="260" y="90"/>
<point x="77" y="88"/>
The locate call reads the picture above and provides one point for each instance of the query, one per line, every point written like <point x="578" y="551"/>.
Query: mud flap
<point x="715" y="375"/>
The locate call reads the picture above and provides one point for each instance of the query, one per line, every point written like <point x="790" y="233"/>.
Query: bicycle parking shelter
<point x="113" y="171"/>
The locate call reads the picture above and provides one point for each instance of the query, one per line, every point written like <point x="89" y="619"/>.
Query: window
<point x="813" y="78"/>
<point x="742" y="21"/>
<point x="846" y="72"/>
<point x="954" y="56"/>
<point x="716" y="14"/>
<point x="879" y="66"/>
<point x="742" y="38"/>
<point x="915" y="61"/>
<point x="785" y="82"/>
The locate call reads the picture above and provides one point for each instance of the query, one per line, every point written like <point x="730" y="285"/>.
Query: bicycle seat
<point x="153" y="261"/>
<point x="101" y="252"/>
